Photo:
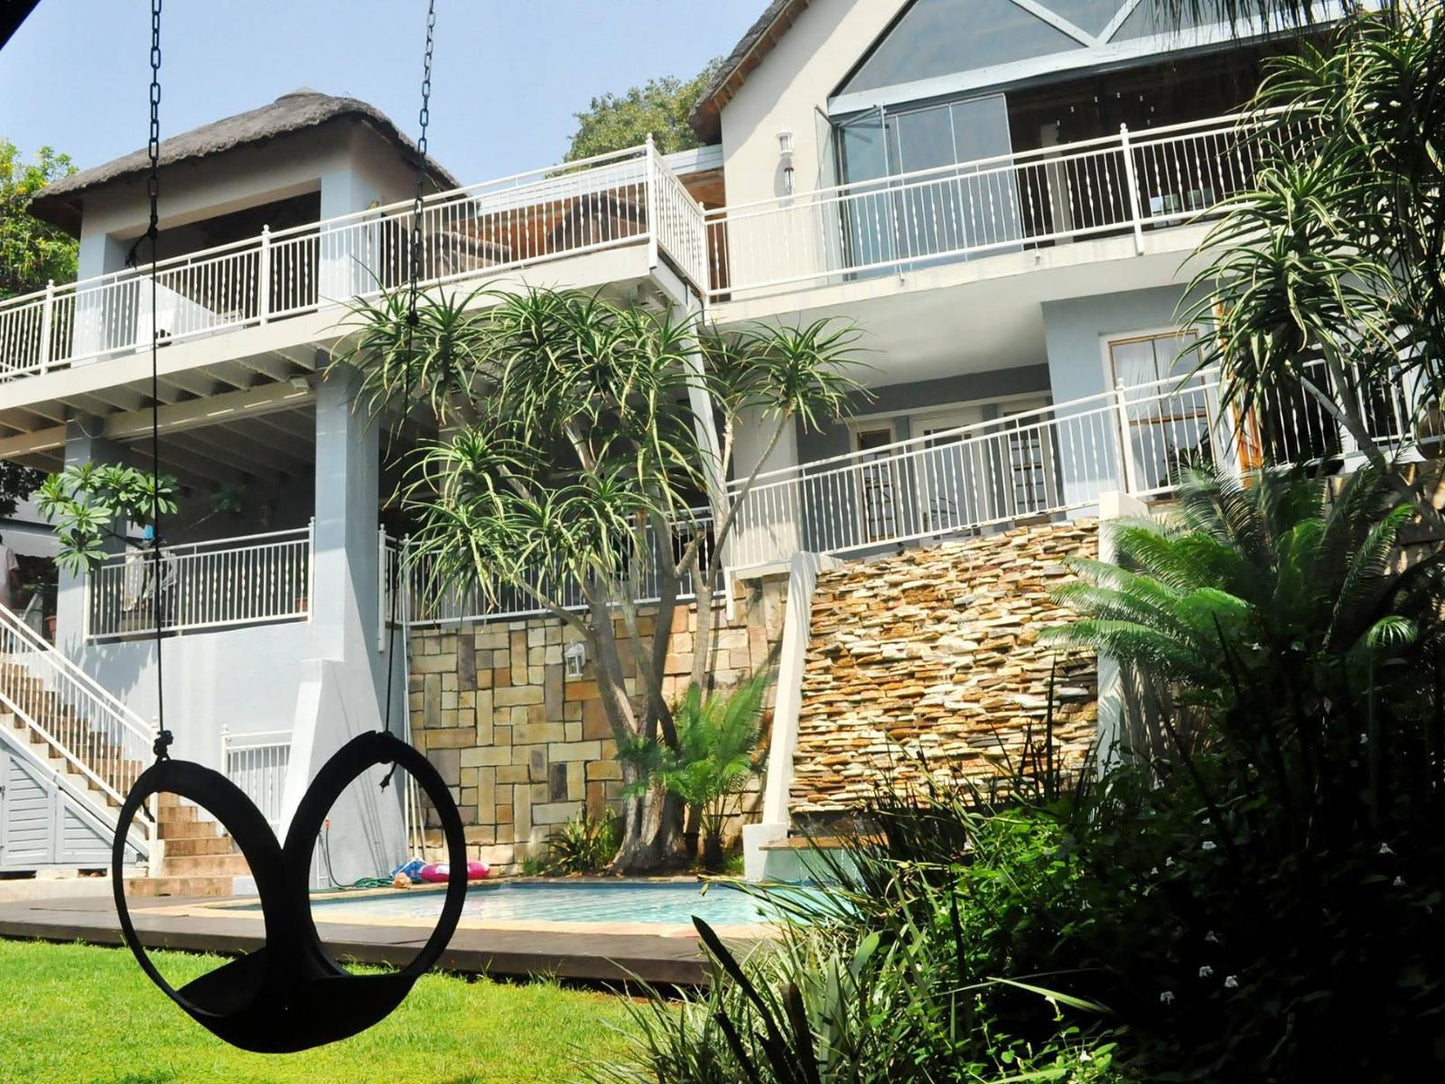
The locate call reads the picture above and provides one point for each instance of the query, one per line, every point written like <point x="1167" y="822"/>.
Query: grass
<point x="88" y="1015"/>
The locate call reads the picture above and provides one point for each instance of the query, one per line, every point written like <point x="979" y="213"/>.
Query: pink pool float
<point x="440" y="872"/>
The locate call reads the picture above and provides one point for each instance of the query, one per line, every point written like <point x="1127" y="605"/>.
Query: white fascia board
<point x="696" y="160"/>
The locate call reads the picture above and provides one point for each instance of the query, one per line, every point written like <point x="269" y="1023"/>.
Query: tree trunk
<point x="651" y="822"/>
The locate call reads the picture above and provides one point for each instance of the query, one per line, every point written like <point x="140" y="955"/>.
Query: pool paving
<point x="591" y="952"/>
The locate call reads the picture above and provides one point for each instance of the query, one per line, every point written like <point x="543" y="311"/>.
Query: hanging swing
<point x="290" y="994"/>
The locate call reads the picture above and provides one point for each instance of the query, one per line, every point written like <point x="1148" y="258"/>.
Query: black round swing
<point x="290" y="994"/>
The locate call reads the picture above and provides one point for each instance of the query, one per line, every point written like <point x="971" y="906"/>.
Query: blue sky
<point x="508" y="74"/>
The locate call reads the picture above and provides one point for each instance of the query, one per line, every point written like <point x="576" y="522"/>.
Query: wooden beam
<point x="234" y="446"/>
<point x="173" y="417"/>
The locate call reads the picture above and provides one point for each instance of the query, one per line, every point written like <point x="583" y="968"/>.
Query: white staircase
<point x="69" y="751"/>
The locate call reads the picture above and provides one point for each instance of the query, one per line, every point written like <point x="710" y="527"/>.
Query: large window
<point x="906" y="205"/>
<point x="940" y="37"/>
<point x="1168" y="405"/>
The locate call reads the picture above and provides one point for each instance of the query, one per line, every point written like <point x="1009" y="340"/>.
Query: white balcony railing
<point x="1132" y="182"/>
<point x="1043" y="462"/>
<point x="248" y="580"/>
<point x="469" y="234"/>
<point x="257" y="763"/>
<point x="434" y="603"/>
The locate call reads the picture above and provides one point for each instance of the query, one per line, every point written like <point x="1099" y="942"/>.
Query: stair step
<point x="150" y="887"/>
<point x="205" y="865"/>
<point x="198" y="845"/>
<point x="177" y="814"/>
<point x="188" y="829"/>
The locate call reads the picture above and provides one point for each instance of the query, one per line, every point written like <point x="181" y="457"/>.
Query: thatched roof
<point x="300" y="110"/>
<point x="705" y="117"/>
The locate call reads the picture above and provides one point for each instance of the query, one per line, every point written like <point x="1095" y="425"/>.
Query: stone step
<point x="177" y="814"/>
<point x="205" y="865"/>
<point x="198" y="845"/>
<point x="188" y="829"/>
<point x="150" y="887"/>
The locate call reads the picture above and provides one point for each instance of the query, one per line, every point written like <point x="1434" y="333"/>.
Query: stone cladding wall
<point x="935" y="652"/>
<point x="525" y="748"/>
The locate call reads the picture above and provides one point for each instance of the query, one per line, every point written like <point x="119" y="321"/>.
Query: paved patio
<point x="597" y="954"/>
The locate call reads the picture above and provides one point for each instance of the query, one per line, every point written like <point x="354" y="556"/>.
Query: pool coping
<point x="240" y="907"/>
<point x="606" y="953"/>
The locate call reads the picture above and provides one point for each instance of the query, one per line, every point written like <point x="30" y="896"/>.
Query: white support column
<point x="263" y="276"/>
<point x="803" y="571"/>
<point x="1132" y="181"/>
<point x="1112" y="508"/>
<point x="47" y="321"/>
<point x="1126" y="438"/>
<point x="650" y="180"/>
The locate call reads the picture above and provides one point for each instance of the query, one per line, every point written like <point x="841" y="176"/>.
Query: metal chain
<point x="411" y="321"/>
<point x="425" y="118"/>
<point x="153" y="189"/>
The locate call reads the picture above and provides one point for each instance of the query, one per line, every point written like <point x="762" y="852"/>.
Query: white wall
<point x="787" y="90"/>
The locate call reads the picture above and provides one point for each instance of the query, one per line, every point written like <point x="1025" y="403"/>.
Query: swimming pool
<point x="661" y="903"/>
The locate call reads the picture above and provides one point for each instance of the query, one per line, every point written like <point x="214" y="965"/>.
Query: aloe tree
<point x="1334" y="258"/>
<point x="569" y="465"/>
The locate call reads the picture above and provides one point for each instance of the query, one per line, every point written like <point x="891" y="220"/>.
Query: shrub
<point x="585" y="844"/>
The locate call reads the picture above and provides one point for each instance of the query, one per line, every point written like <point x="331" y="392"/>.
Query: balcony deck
<point x="253" y="312"/>
<point x="245" y="319"/>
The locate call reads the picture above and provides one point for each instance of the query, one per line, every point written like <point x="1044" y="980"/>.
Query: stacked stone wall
<point x="524" y="747"/>
<point x="935" y="653"/>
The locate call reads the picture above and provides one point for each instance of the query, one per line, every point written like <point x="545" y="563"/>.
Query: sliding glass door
<point x="905" y="206"/>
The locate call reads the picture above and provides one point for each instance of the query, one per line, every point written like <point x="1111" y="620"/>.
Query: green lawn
<point x="83" y="1015"/>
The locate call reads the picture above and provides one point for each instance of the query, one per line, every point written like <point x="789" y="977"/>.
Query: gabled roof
<point x="706" y="115"/>
<point x="300" y="110"/>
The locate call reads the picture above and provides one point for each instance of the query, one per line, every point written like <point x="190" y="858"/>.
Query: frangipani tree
<point x="571" y="465"/>
<point x="91" y="503"/>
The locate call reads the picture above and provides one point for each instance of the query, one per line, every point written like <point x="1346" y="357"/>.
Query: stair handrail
<point x="128" y="717"/>
<point x="128" y="733"/>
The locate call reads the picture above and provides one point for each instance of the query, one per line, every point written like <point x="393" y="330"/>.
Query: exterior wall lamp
<point x="785" y="155"/>
<point x="575" y="659"/>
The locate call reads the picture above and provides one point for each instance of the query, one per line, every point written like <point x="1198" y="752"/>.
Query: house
<point x="1003" y="193"/>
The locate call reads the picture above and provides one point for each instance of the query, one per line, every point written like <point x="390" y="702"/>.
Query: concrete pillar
<point x="104" y="317"/>
<point x="1113" y="506"/>
<point x="350" y="251"/>
<point x="345" y="576"/>
<point x="803" y="569"/>
<point x="771" y="527"/>
<point x="81" y="447"/>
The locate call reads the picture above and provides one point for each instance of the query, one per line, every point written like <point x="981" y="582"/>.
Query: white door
<point x="952" y="472"/>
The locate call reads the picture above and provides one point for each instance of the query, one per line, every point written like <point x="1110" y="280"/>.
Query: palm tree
<point x="715" y="759"/>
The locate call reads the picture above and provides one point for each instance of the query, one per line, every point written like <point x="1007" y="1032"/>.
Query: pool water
<point x="661" y="903"/>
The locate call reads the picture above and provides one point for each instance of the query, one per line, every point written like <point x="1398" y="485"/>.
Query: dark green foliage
<point x="31" y="252"/>
<point x="1271" y="575"/>
<point x="585" y="844"/>
<point x="16" y="483"/>
<point x="659" y="108"/>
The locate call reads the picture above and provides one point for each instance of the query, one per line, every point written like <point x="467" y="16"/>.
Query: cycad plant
<point x="1272" y="574"/>
<point x="715" y="759"/>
